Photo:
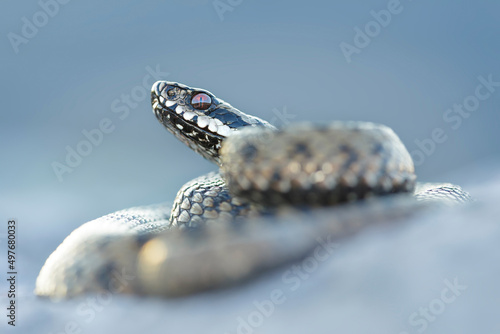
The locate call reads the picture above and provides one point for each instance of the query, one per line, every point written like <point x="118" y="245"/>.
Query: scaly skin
<point x="224" y="230"/>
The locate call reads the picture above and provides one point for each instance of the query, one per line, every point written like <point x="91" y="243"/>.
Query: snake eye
<point x="201" y="101"/>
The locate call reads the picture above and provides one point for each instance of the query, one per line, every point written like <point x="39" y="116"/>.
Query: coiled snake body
<point x="274" y="202"/>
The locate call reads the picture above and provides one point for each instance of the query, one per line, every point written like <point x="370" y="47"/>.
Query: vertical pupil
<point x="201" y="101"/>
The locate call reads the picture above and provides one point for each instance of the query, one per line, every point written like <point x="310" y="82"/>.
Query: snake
<point x="280" y="197"/>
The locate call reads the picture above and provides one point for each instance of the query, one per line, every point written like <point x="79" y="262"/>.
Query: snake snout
<point x="168" y="90"/>
<point x="167" y="95"/>
<point x="158" y="87"/>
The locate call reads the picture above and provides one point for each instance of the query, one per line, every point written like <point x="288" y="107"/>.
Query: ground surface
<point x="436" y="274"/>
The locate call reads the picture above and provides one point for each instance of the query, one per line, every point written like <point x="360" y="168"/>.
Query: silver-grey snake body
<point x="280" y="195"/>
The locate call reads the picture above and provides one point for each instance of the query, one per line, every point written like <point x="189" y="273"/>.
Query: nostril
<point x="158" y="87"/>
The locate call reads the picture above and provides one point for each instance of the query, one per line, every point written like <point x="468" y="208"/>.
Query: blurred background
<point x="67" y="68"/>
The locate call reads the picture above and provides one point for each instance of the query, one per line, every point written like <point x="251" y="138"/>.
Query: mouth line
<point x="176" y="122"/>
<point x="203" y="123"/>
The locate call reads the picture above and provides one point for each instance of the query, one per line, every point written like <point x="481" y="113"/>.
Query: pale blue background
<point x="263" y="55"/>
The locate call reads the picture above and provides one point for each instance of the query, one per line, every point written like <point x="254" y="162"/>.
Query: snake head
<point x="197" y="117"/>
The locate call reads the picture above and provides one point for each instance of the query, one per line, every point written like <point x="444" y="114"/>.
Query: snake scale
<point x="279" y="197"/>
